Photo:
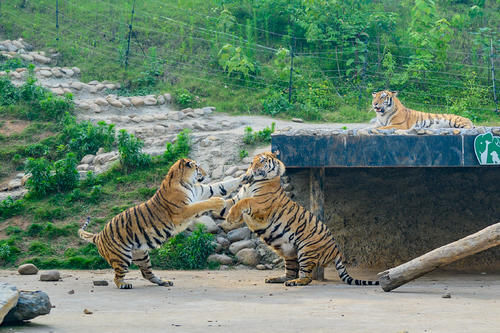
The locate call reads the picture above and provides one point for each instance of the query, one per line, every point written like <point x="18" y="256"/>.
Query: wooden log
<point x="317" y="206"/>
<point x="480" y="241"/>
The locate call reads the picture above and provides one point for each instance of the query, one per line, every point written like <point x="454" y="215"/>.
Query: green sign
<point x="487" y="148"/>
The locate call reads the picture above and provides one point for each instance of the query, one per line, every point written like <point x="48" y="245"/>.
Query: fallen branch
<point x="480" y="241"/>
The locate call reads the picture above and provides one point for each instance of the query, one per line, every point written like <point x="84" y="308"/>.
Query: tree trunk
<point x="480" y="241"/>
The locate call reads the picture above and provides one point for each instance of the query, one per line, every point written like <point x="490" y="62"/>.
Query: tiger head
<point x="264" y="166"/>
<point x="188" y="170"/>
<point x="383" y="101"/>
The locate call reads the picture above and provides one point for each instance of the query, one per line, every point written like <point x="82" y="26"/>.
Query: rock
<point x="50" y="276"/>
<point x="102" y="159"/>
<point x="115" y="103"/>
<point x="175" y="115"/>
<point x="208" y="110"/>
<point x="261" y="267"/>
<point x="13" y="184"/>
<point x="243" y="244"/>
<point x="221" y="259"/>
<point x="101" y="283"/>
<point x="87" y="311"/>
<point x="125" y="101"/>
<point x="68" y="72"/>
<point x="110" y="86"/>
<point x="187" y="110"/>
<point x="160" y="99"/>
<point x="99" y="86"/>
<point x="239" y="234"/>
<point x="87" y="159"/>
<point x="456" y="132"/>
<point x="27" y="57"/>
<point x="137" y="101"/>
<point x="58" y="91"/>
<point x="168" y="98"/>
<point x="45" y="73"/>
<point x="40" y="58"/>
<point x="446" y="295"/>
<point x="248" y="257"/>
<point x="76" y="70"/>
<point x="77" y="85"/>
<point x="82" y="167"/>
<point x="297" y="120"/>
<point x="101" y="101"/>
<point x="27" y="269"/>
<point x="57" y="73"/>
<point x="223" y="241"/>
<point x="231" y="170"/>
<point x="30" y="304"/>
<point x="71" y="292"/>
<point x="208" y="223"/>
<point x="199" y="112"/>
<point x="8" y="299"/>
<point x="149" y="100"/>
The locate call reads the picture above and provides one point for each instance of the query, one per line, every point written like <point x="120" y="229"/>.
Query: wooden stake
<point x="317" y="203"/>
<point x="480" y="241"/>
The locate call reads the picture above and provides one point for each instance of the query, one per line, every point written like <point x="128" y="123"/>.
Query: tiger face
<point x="264" y="166"/>
<point x="383" y="101"/>
<point x="190" y="170"/>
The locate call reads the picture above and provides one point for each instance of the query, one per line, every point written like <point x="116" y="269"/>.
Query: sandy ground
<point x="239" y="301"/>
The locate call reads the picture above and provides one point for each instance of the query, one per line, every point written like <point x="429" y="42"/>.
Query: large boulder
<point x="8" y="299"/>
<point x="29" y="305"/>
<point x="243" y="244"/>
<point x="248" y="257"/>
<point x="239" y="234"/>
<point x="208" y="223"/>
<point x="220" y="258"/>
<point x="27" y="269"/>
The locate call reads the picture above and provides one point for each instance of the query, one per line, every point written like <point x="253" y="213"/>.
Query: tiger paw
<point x="123" y="285"/>
<point x="278" y="279"/>
<point x="298" y="282"/>
<point x="217" y="204"/>
<point x="166" y="283"/>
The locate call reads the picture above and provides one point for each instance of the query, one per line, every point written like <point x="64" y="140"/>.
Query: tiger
<point x="391" y="113"/>
<point x="293" y="232"/>
<point x="180" y="198"/>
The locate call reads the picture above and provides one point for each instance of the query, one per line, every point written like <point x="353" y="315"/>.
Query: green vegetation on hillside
<point x="236" y="55"/>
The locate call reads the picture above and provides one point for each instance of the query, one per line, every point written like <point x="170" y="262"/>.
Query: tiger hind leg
<point x="141" y="259"/>
<point x="291" y="271"/>
<point x="121" y="268"/>
<point x="305" y="274"/>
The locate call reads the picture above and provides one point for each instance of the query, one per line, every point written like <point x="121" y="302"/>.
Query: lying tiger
<point x="288" y="228"/>
<point x="130" y="234"/>
<point x="391" y="113"/>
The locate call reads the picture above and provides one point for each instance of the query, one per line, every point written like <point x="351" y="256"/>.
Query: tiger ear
<point x="189" y="163"/>
<point x="374" y="94"/>
<point x="394" y="93"/>
<point x="275" y="153"/>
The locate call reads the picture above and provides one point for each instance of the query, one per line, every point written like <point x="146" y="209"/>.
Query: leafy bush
<point x="184" y="98"/>
<point x="8" y="251"/>
<point x="276" y="104"/>
<point x="243" y="154"/>
<point x="12" y="63"/>
<point x="233" y="60"/>
<point x="264" y="136"/>
<point x="48" y="177"/>
<point x="130" y="150"/>
<point x="185" y="252"/>
<point x="9" y="93"/>
<point x="10" y="207"/>
<point x="40" y="248"/>
<point x="179" y="149"/>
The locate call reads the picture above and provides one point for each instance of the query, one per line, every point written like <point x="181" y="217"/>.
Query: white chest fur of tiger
<point x="288" y="228"/>
<point x="130" y="234"/>
<point x="391" y="113"/>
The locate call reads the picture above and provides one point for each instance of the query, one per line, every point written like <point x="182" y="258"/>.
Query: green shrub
<point x="179" y="149"/>
<point x="13" y="230"/>
<point x="276" y="104"/>
<point x="185" y="252"/>
<point x="260" y="137"/>
<point x="10" y="207"/>
<point x="12" y="63"/>
<point x="86" y="138"/>
<point x="66" y="176"/>
<point x="40" y="248"/>
<point x="40" y="182"/>
<point x="130" y="150"/>
<point x="184" y="98"/>
<point x="9" y="94"/>
<point x="8" y="251"/>
<point x="243" y="154"/>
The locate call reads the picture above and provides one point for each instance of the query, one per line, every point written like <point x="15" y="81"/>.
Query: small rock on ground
<point x="87" y="311"/>
<point x="100" y="283"/>
<point x="446" y="295"/>
<point x="50" y="276"/>
<point x="248" y="257"/>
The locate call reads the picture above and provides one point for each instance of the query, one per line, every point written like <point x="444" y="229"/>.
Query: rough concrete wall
<point x="382" y="217"/>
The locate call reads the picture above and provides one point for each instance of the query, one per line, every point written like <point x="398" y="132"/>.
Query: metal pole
<point x="291" y="73"/>
<point x="129" y="35"/>
<point x="57" y="22"/>
<point x="492" y="56"/>
<point x="363" y="71"/>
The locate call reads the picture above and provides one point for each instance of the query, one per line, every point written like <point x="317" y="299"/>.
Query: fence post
<point x="129" y="35"/>
<point x="290" y="85"/>
<point x="492" y="56"/>
<point x="57" y="23"/>
<point x="363" y="71"/>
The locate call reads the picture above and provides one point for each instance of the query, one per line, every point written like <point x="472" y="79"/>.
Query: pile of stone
<point x="98" y="163"/>
<point x="20" y="49"/>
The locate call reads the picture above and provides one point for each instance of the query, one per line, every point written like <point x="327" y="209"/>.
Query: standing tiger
<point x="391" y="113"/>
<point x="288" y="228"/>
<point x="130" y="234"/>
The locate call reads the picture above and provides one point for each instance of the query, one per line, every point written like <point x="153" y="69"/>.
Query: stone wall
<point x="383" y="217"/>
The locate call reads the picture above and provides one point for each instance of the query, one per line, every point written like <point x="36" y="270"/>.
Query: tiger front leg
<point x="234" y="218"/>
<point x="190" y="211"/>
<point x="291" y="271"/>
